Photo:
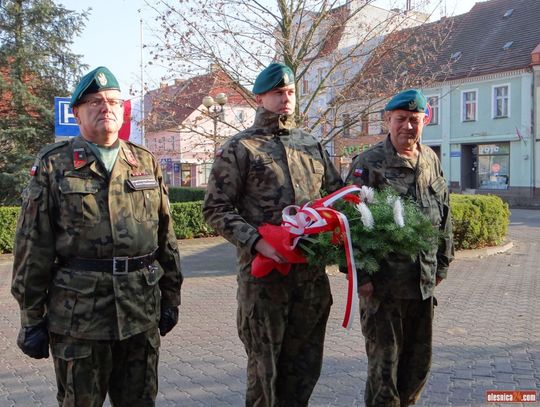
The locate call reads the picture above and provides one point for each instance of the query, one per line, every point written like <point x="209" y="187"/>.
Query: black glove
<point x="34" y="340"/>
<point x="168" y="319"/>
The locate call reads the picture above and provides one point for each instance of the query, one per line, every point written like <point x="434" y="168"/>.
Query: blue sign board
<point x="455" y="153"/>
<point x="65" y="124"/>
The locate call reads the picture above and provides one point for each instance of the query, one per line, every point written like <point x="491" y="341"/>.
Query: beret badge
<point x="102" y="79"/>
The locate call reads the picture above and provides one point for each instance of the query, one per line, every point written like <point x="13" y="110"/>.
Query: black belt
<point x="116" y="265"/>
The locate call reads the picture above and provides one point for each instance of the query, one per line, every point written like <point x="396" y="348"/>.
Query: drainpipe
<point x="535" y="140"/>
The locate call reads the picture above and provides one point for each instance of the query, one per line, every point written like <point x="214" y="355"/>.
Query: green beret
<point x="273" y="76"/>
<point x="95" y="81"/>
<point x="412" y="100"/>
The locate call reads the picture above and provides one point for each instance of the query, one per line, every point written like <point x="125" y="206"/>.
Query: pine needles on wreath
<point x="381" y="226"/>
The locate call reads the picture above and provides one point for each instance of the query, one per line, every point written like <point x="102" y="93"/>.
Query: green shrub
<point x="478" y="220"/>
<point x="186" y="194"/>
<point x="8" y="223"/>
<point x="188" y="220"/>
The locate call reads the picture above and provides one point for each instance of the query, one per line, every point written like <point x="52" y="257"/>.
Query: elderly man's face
<point x="279" y="100"/>
<point x="100" y="115"/>
<point x="405" y="128"/>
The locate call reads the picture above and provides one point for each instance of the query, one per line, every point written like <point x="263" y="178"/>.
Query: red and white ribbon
<point x="318" y="217"/>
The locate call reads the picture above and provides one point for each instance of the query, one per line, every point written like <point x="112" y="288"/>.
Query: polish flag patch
<point x="358" y="172"/>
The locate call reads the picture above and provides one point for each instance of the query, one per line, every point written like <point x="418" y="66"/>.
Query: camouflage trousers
<point x="398" y="336"/>
<point x="87" y="370"/>
<point x="282" y="323"/>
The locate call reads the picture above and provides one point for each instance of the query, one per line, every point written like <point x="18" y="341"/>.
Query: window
<point x="186" y="175"/>
<point x="365" y="125"/>
<point x="382" y="123"/>
<point x="320" y="74"/>
<point x="240" y="116"/>
<point x="493" y="166"/>
<point x="468" y="106"/>
<point x="346" y="125"/>
<point x="508" y="13"/>
<point x="507" y="45"/>
<point x="500" y="101"/>
<point x="305" y="86"/>
<point x="456" y="55"/>
<point x="324" y="130"/>
<point x="204" y="173"/>
<point x="434" y="103"/>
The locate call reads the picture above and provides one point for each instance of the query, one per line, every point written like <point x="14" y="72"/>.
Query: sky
<point x="112" y="36"/>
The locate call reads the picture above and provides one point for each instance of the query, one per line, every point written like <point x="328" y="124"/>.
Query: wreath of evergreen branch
<point x="384" y="239"/>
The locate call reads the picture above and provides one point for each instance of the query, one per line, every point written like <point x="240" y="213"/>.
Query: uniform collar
<point x="394" y="158"/>
<point x="126" y="158"/>
<point x="273" y="121"/>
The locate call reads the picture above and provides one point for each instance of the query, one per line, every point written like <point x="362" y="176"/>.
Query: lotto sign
<point x="65" y="124"/>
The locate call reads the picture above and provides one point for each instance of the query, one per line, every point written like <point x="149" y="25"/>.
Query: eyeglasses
<point x="94" y="103"/>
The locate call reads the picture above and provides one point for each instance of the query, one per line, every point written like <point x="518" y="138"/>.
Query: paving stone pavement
<point x="486" y="335"/>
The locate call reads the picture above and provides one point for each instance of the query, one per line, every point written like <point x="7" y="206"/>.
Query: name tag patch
<point x="142" y="182"/>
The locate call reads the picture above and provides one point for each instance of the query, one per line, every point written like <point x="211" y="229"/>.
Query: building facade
<point x="184" y="134"/>
<point x="483" y="84"/>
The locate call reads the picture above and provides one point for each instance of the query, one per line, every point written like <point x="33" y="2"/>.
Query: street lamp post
<point x="215" y="109"/>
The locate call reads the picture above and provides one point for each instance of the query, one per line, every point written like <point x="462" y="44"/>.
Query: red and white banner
<point x="125" y="130"/>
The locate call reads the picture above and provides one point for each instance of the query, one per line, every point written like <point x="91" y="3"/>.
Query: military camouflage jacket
<point x="73" y="208"/>
<point x="381" y="166"/>
<point x="259" y="172"/>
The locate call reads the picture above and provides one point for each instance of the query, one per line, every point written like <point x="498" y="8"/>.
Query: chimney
<point x="535" y="55"/>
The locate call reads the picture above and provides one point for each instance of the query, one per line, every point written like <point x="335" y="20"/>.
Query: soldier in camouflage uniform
<point x="396" y="303"/>
<point x="97" y="268"/>
<point x="281" y="319"/>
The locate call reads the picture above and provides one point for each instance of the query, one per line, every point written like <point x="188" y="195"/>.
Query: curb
<point x="461" y="254"/>
<point x="6" y="259"/>
<point x="486" y="251"/>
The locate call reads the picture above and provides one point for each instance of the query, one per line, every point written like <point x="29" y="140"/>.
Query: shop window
<point x="493" y="166"/>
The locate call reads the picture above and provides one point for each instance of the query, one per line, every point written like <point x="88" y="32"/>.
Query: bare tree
<point x="325" y="42"/>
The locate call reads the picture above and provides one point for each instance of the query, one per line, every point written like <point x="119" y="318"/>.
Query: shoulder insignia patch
<point x="358" y="172"/>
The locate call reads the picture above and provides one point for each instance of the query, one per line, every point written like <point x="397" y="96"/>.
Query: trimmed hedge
<point x="8" y="224"/>
<point x="188" y="220"/>
<point x="479" y="221"/>
<point x="186" y="194"/>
